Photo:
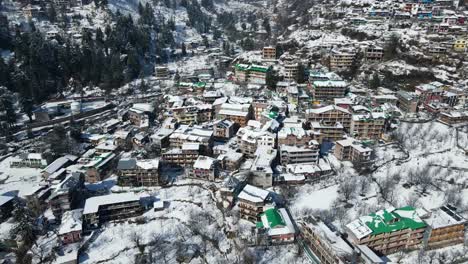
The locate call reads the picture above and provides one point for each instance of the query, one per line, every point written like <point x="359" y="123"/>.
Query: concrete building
<point x="330" y="115"/>
<point x="368" y="126"/>
<point x="389" y="230"/>
<point x="276" y="225"/>
<point x="111" y="207"/>
<point x="138" y="173"/>
<point x="325" y="243"/>
<point x="184" y="156"/>
<point x="373" y="53"/>
<point x="291" y="71"/>
<point x="205" y="168"/>
<point x="237" y="113"/>
<point x="269" y="53"/>
<point x="342" y="59"/>
<point x="252" y="200"/>
<point x="262" y="172"/>
<point x="352" y="150"/>
<point x="445" y="226"/>
<point x="67" y="195"/>
<point x="71" y="227"/>
<point x="328" y="90"/>
<point x="407" y="102"/>
<point x="308" y="153"/>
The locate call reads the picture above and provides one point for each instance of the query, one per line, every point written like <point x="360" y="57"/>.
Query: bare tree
<point x="347" y="188"/>
<point x="136" y="238"/>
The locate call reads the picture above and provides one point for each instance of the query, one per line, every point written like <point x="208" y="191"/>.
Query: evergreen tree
<point x="374" y="83"/>
<point x="266" y="25"/>
<point x="184" y="50"/>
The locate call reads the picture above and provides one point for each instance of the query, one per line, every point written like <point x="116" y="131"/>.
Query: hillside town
<point x="234" y="131"/>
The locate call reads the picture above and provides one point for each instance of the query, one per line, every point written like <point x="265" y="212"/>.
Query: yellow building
<point x="460" y="45"/>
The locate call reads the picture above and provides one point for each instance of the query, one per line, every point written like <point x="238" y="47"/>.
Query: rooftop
<point x="92" y="204"/>
<point x="386" y="221"/>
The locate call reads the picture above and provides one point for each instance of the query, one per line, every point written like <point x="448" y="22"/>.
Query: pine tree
<point x="184" y="50"/>
<point x="374" y="83"/>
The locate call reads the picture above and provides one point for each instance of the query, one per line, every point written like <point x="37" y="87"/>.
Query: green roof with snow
<point x="273" y="218"/>
<point x="388" y="221"/>
<point x="247" y="67"/>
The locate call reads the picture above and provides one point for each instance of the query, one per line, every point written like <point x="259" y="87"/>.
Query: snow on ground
<point x="311" y="198"/>
<point x="22" y="180"/>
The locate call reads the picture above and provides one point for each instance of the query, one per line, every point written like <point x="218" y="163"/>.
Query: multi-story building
<point x="330" y="115"/>
<point x="460" y="45"/>
<point x="205" y="168"/>
<point x="407" y="102"/>
<point x="269" y="53"/>
<point x="195" y="114"/>
<point x="161" y="72"/>
<point x="231" y="160"/>
<point x="295" y="136"/>
<point x="191" y="134"/>
<point x="454" y="117"/>
<point x="97" y="166"/>
<point x="352" y="150"/>
<point x="291" y="71"/>
<point x="184" y="156"/>
<point x="224" y="129"/>
<point x="71" y="226"/>
<point x="328" y="132"/>
<point x="30" y="160"/>
<point x="252" y="200"/>
<point x="111" y="207"/>
<point x="388" y="230"/>
<point x="237" y="113"/>
<point x="308" y="153"/>
<point x="139" y="114"/>
<point x="262" y="172"/>
<point x="328" y="90"/>
<point x="445" y="226"/>
<point x="67" y="195"/>
<point x="276" y="225"/>
<point x="259" y="108"/>
<point x="252" y="73"/>
<point x="368" y="126"/>
<point x="342" y="59"/>
<point x="249" y="139"/>
<point x="133" y="172"/>
<point x="430" y="92"/>
<point x="373" y="53"/>
<point x="325" y="243"/>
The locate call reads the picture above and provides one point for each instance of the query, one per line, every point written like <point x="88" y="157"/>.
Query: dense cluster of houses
<point x="268" y="135"/>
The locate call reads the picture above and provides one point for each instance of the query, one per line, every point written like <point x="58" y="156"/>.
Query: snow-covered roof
<point x="333" y="241"/>
<point x="5" y="199"/>
<point x="204" y="163"/>
<point x="277" y="221"/>
<point x="56" y="165"/>
<point x="444" y="216"/>
<point x="253" y="194"/>
<point x="71" y="221"/>
<point x="325" y="109"/>
<point x="148" y="164"/>
<point x="142" y="107"/>
<point x="92" y="204"/>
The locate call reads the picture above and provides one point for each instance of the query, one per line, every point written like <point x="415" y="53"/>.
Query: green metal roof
<point x="274" y="218"/>
<point x="273" y="115"/>
<point x="257" y="68"/>
<point x="259" y="225"/>
<point x="199" y="84"/>
<point x="385" y="221"/>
